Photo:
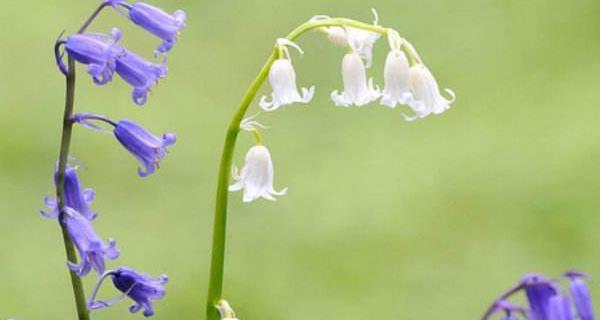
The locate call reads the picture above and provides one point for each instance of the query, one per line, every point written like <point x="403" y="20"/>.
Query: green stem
<point x="215" y="288"/>
<point x="65" y="144"/>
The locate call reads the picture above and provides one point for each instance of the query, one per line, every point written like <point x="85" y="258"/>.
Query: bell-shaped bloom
<point x="581" y="296"/>
<point x="155" y="20"/>
<point x="140" y="73"/>
<point x="92" y="249"/>
<point x="539" y="290"/>
<point x="98" y="51"/>
<point x="397" y="84"/>
<point x="357" y="91"/>
<point x="147" y="148"/>
<point x="559" y="308"/>
<point x="139" y="287"/>
<point x="426" y="93"/>
<point x="359" y="40"/>
<point x="282" y="78"/>
<point x="76" y="197"/>
<point x="256" y="177"/>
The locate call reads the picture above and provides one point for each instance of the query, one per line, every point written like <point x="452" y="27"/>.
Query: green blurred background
<point x="384" y="219"/>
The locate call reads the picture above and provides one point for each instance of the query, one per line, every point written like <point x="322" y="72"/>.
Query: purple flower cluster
<point x="547" y="299"/>
<point x="104" y="56"/>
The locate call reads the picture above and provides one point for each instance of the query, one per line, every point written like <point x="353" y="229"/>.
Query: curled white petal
<point x="249" y="124"/>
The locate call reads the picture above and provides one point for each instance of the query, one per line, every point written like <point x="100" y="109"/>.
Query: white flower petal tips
<point x="427" y="96"/>
<point x="256" y="177"/>
<point x="397" y="80"/>
<point x="357" y="90"/>
<point x="282" y="78"/>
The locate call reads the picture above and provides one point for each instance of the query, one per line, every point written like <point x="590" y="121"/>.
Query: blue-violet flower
<point x="140" y="73"/>
<point x="76" y="197"/>
<point x="147" y="148"/>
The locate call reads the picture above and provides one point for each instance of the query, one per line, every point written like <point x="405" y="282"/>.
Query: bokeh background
<point x="384" y="219"/>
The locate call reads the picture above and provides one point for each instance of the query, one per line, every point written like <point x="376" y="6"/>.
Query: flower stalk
<point x="65" y="145"/>
<point x="215" y="289"/>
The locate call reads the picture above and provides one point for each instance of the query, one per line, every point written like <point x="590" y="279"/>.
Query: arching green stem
<point x="215" y="289"/>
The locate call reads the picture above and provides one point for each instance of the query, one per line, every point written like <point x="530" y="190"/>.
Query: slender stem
<point x="65" y="144"/>
<point x="504" y="296"/>
<point x="215" y="289"/>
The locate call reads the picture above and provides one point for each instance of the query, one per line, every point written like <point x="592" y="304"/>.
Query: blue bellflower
<point x="547" y="300"/>
<point x="141" y="288"/>
<point x="90" y="246"/>
<point x="98" y="51"/>
<point x="76" y="197"/>
<point x="147" y="148"/>
<point x="581" y="295"/>
<point x="156" y="21"/>
<point x="140" y="73"/>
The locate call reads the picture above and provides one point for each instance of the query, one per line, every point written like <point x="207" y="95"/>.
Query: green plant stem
<point x="65" y="144"/>
<point x="80" y="303"/>
<point x="215" y="289"/>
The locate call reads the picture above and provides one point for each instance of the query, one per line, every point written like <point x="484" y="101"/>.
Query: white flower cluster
<point x="407" y="81"/>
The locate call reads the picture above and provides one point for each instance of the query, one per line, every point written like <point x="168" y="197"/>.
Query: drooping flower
<point x="156" y="21"/>
<point x="427" y="96"/>
<point x="256" y="177"/>
<point x="139" y="287"/>
<point x="539" y="290"/>
<point x="396" y="74"/>
<point x="76" y="197"/>
<point x="357" y="91"/>
<point x="140" y="73"/>
<point x="546" y="299"/>
<point x="98" y="51"/>
<point x="92" y="249"/>
<point x="581" y="295"/>
<point x="147" y="148"/>
<point x="359" y="40"/>
<point x="282" y="78"/>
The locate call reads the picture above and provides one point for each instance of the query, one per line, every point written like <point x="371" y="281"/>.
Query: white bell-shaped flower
<point x="359" y="40"/>
<point x="256" y="177"/>
<point x="426" y="93"/>
<point x="357" y="91"/>
<point x="397" y="80"/>
<point x="282" y="78"/>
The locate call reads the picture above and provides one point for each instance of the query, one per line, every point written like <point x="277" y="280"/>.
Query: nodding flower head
<point x="140" y="73"/>
<point x="359" y="40"/>
<point x="147" y="148"/>
<point x="98" y="51"/>
<point x="427" y="96"/>
<point x="581" y="295"/>
<point x="76" y="197"/>
<point x="155" y="20"/>
<point x="158" y="22"/>
<point x="357" y="91"/>
<point x="396" y="74"/>
<point x="256" y="177"/>
<point x="139" y="287"/>
<point x="90" y="246"/>
<point x="282" y="78"/>
<point x="546" y="299"/>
